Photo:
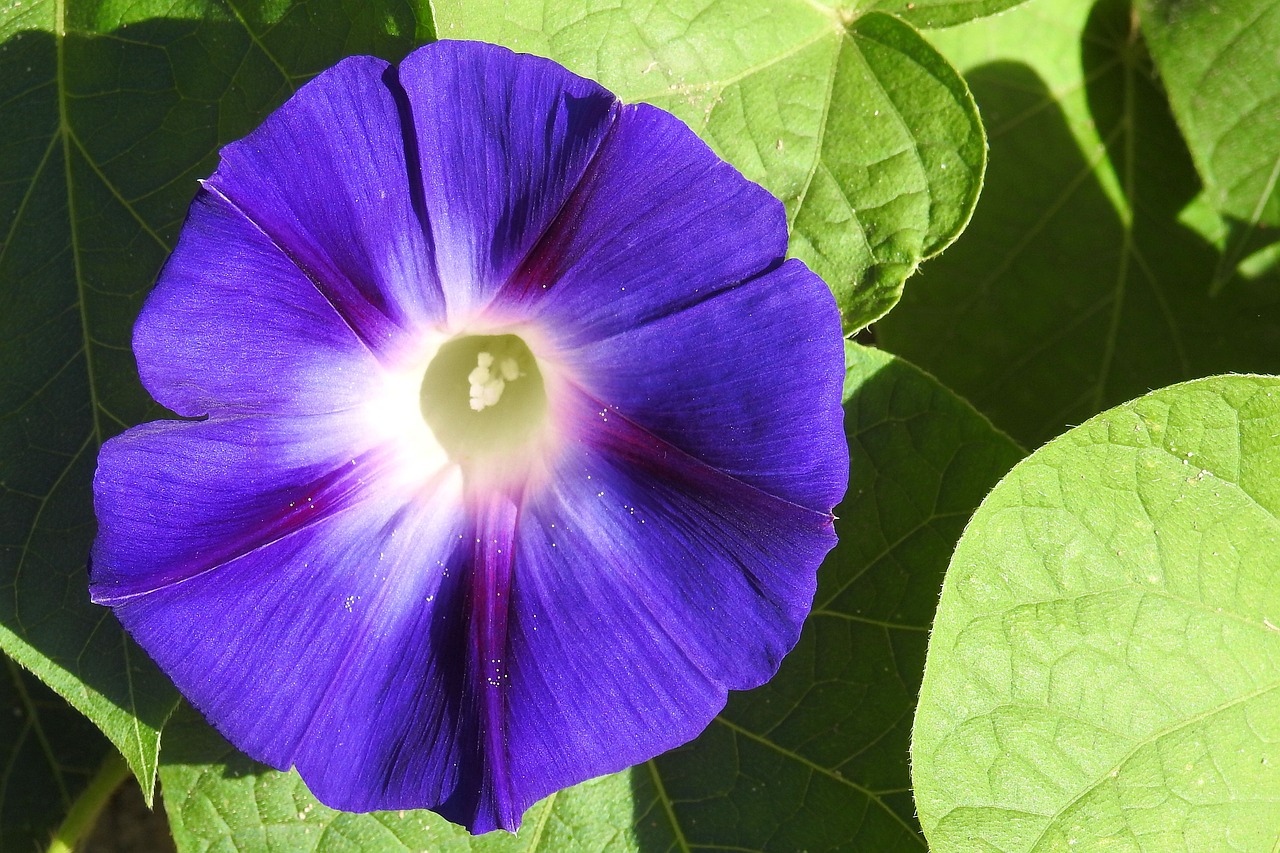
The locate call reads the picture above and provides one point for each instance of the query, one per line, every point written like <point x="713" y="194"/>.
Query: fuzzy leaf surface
<point x="1104" y="669"/>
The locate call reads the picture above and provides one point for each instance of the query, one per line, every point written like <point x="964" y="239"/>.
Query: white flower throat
<point x="483" y="397"/>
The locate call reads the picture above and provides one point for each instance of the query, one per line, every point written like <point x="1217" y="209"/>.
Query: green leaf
<point x="815" y="760"/>
<point x="1219" y="64"/>
<point x="867" y="135"/>
<point x="109" y="112"/>
<point x="48" y="752"/>
<point x="1104" y="669"/>
<point x="219" y="800"/>
<point x="1223" y="80"/>
<point x="940" y="13"/>
<point x="1081" y="281"/>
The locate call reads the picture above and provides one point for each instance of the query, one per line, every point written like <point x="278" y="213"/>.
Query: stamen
<point x="486" y="388"/>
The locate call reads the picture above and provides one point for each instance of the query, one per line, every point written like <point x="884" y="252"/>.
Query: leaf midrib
<point x="64" y="131"/>
<point x="668" y="806"/>
<point x="719" y="85"/>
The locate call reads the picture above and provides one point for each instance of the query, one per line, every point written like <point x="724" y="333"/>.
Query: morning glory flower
<point x="511" y="443"/>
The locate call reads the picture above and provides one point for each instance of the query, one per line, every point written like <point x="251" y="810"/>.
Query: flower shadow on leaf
<point x="1078" y="284"/>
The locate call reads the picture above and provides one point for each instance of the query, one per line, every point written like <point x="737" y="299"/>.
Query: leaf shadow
<point x="1079" y="284"/>
<point x="1250" y="250"/>
<point x="48" y="753"/>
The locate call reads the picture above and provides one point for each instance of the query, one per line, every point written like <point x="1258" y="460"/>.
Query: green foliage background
<point x="1116" y="167"/>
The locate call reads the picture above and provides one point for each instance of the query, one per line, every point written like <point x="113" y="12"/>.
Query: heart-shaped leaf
<point x="1104" y="670"/>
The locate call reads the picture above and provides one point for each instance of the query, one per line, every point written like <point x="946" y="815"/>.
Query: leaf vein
<point x="818" y="769"/>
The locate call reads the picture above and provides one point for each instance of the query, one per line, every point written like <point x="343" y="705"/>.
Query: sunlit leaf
<point x="1218" y="62"/>
<point x="218" y="799"/>
<point x="1105" y="666"/>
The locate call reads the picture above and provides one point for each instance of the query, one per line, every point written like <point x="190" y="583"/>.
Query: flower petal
<point x="659" y="222"/>
<point x="748" y="381"/>
<point x="234" y="326"/>
<point x="305" y="563"/>
<point x="646" y="585"/>
<point x="495" y="803"/>
<point x="339" y="649"/>
<point x="503" y="140"/>
<point x="314" y="608"/>
<point x="175" y="499"/>
<point x="326" y="178"/>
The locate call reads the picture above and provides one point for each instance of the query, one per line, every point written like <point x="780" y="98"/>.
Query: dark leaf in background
<point x="1085" y="277"/>
<point x="110" y="113"/>
<point x="48" y="752"/>
<point x="817" y="758"/>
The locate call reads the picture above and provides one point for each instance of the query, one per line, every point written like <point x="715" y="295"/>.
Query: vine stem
<point x="84" y="812"/>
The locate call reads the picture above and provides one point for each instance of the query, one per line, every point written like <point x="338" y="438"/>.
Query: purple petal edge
<point x="430" y="648"/>
<point x="340" y="203"/>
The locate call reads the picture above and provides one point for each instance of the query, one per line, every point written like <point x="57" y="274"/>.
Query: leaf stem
<point x="84" y="812"/>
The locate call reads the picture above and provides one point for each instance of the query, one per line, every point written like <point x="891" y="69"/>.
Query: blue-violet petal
<point x="518" y="447"/>
<point x="325" y="178"/>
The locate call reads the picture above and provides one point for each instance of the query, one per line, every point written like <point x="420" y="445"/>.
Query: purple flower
<point x="517" y="442"/>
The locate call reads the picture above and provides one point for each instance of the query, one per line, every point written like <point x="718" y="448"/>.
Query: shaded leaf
<point x="817" y="758"/>
<point x="108" y="115"/>
<point x="1103" y="670"/>
<point x="48" y="752"/>
<point x="1082" y="280"/>
<point x="867" y="135"/>
<point x="1219" y="64"/>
